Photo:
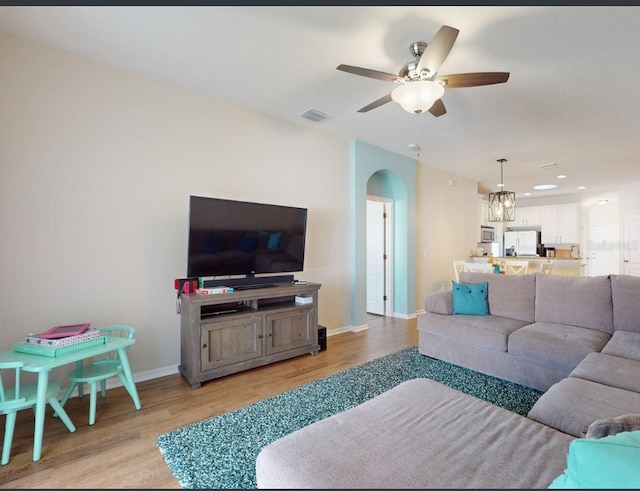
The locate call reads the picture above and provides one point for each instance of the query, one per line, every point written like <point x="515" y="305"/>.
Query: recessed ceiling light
<point x="527" y="194"/>
<point x="603" y="201"/>
<point x="582" y="187"/>
<point x="545" y="186"/>
<point x="562" y="176"/>
<point x="501" y="185"/>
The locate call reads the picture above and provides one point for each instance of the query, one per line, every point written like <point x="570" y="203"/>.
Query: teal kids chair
<point x="103" y="367"/>
<point x="23" y="396"/>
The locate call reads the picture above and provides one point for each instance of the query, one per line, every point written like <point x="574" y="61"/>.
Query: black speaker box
<point x="322" y="338"/>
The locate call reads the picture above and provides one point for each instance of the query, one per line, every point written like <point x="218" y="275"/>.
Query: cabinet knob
<point x="259" y="336"/>
<point x="204" y="346"/>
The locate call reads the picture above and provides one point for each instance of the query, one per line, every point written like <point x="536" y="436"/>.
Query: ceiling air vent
<point x="548" y="165"/>
<point x="314" y="115"/>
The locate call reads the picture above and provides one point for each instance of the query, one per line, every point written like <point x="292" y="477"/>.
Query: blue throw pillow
<point x="470" y="298"/>
<point x="612" y="462"/>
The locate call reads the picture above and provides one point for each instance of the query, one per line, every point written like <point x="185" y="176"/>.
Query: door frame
<point x="388" y="251"/>
<point x="630" y="244"/>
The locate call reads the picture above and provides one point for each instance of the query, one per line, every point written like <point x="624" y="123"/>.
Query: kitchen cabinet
<point x="530" y="216"/>
<point x="560" y="224"/>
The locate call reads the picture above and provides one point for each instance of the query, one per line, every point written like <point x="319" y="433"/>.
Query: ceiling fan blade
<point x="438" y="49"/>
<point x="438" y="108"/>
<point x="365" y="72"/>
<point x="473" y="79"/>
<point x="377" y="103"/>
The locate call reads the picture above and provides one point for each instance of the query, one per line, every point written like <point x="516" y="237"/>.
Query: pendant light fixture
<point x="502" y="204"/>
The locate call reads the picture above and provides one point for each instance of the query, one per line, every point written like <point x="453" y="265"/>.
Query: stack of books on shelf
<point x="35" y="345"/>
<point x="214" y="291"/>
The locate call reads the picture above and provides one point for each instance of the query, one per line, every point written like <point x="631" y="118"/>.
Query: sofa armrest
<point x="439" y="303"/>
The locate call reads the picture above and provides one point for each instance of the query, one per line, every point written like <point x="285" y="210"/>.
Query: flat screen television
<point x="228" y="237"/>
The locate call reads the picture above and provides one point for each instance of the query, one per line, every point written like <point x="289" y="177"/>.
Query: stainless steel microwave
<point x="487" y="234"/>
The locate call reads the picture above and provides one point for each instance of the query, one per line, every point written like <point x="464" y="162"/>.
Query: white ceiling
<point x="572" y="97"/>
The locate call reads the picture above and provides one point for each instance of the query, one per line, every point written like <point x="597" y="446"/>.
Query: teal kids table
<point x="42" y="365"/>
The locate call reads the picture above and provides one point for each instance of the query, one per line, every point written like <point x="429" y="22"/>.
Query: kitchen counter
<point x="531" y="258"/>
<point x="561" y="266"/>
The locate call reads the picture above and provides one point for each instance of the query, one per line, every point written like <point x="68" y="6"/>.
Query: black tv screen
<point x="228" y="237"/>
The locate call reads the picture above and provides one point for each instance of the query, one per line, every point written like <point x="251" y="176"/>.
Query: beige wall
<point x="447" y="227"/>
<point x="97" y="166"/>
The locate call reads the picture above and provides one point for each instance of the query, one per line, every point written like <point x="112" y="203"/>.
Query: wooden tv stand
<point x="225" y="333"/>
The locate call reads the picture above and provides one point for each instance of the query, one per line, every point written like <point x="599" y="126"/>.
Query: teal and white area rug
<point x="220" y="453"/>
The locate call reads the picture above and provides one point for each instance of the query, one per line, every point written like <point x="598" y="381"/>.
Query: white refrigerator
<point x="524" y="242"/>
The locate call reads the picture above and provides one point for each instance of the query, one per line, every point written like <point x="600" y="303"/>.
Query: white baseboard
<point x="340" y="330"/>
<point x="362" y="327"/>
<point x="114" y="382"/>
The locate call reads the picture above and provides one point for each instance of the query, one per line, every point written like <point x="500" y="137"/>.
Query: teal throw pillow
<point x="273" y="244"/>
<point x="612" y="462"/>
<point x="470" y="298"/>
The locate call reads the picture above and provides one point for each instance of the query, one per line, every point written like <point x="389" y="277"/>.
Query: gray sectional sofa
<point x="575" y="338"/>
<point x="539" y="328"/>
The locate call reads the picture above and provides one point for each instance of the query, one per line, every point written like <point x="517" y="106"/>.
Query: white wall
<point x="629" y="198"/>
<point x="97" y="167"/>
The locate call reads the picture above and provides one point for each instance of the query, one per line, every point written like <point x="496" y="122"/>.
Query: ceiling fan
<point x="420" y="88"/>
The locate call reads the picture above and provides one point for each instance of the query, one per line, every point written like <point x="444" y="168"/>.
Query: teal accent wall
<point x="383" y="173"/>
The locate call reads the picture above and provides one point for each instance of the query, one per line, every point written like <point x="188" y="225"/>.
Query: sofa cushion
<point x="625" y="291"/>
<point x="605" y="463"/>
<point x="559" y="344"/>
<point x="609" y="370"/>
<point x="509" y="295"/>
<point x="624" y="344"/>
<point x="572" y="404"/>
<point x="574" y="300"/>
<point x="469" y="299"/>
<point x="484" y="331"/>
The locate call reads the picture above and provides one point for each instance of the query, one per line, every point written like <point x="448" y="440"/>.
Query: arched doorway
<point x="379" y="172"/>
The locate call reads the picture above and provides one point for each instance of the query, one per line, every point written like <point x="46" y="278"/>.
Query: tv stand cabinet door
<point x="290" y="329"/>
<point x="231" y="341"/>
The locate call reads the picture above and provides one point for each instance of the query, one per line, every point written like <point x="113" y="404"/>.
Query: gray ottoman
<point x="420" y="434"/>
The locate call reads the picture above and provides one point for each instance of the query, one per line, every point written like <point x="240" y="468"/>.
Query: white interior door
<point x="631" y="244"/>
<point x="604" y="256"/>
<point x="376" y="253"/>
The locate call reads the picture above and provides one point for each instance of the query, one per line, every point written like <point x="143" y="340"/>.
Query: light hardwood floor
<point x="120" y="450"/>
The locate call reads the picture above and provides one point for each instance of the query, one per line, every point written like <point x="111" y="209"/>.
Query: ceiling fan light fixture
<point x="417" y="97"/>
